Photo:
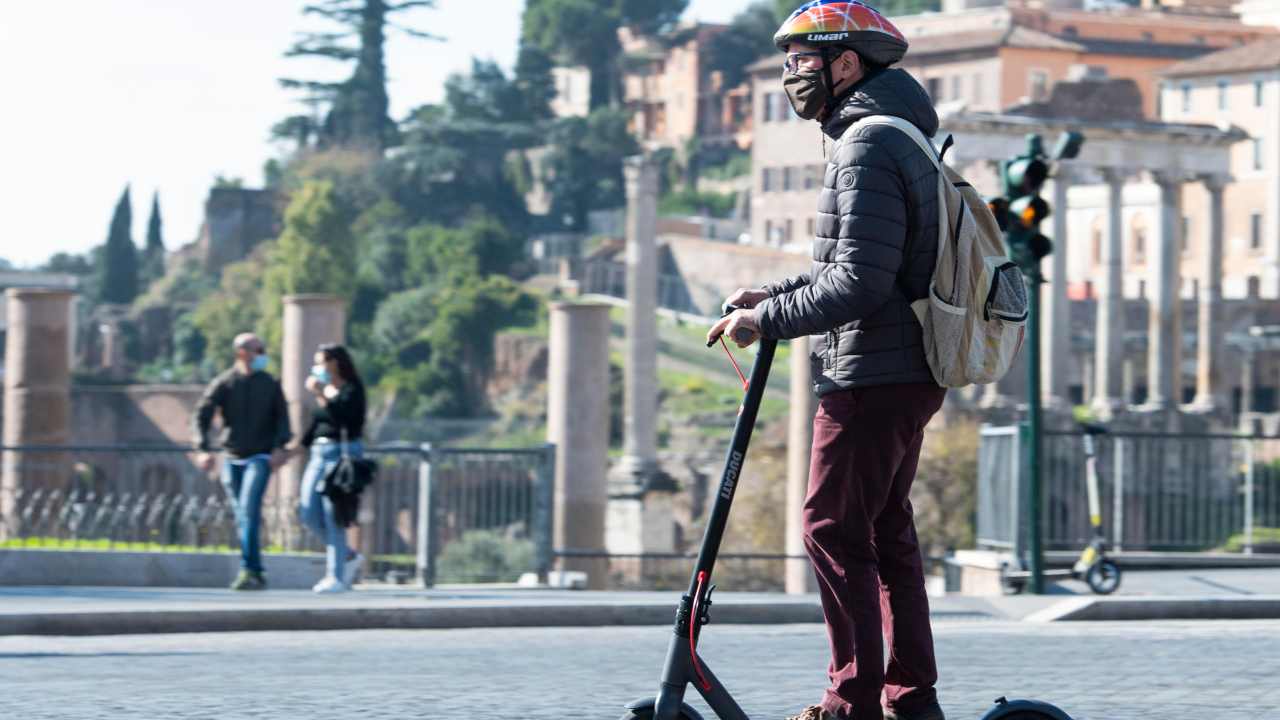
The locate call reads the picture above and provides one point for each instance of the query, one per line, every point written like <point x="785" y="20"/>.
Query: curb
<point x="398" y="618"/>
<point x="1259" y="607"/>
<point x="144" y="622"/>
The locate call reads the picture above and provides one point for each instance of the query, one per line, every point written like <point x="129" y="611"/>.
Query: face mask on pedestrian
<point x="806" y="90"/>
<point x="321" y="373"/>
<point x="259" y="362"/>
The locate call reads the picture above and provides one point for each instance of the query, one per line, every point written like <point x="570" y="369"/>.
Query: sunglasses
<point x="792" y="63"/>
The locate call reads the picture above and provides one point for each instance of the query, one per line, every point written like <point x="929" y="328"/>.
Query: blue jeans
<point x="316" y="510"/>
<point x="245" y="482"/>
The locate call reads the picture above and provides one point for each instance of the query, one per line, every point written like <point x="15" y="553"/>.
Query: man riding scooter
<point x="873" y="254"/>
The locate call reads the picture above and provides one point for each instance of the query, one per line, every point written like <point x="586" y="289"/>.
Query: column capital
<point x="1168" y="179"/>
<point x="1215" y="182"/>
<point x="1115" y="175"/>
<point x="641" y="174"/>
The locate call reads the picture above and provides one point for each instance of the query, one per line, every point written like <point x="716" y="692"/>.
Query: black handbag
<point x="345" y="481"/>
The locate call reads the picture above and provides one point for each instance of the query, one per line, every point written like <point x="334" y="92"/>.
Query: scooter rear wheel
<point x="1104" y="577"/>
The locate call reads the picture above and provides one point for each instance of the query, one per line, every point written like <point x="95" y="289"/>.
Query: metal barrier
<point x="1159" y="492"/>
<point x="488" y="513"/>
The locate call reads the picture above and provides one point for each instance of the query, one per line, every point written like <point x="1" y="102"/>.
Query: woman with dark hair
<point x="337" y="427"/>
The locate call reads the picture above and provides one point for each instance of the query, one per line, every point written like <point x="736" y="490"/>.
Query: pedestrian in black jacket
<point x="255" y="429"/>
<point x="873" y="254"/>
<point x="337" y="429"/>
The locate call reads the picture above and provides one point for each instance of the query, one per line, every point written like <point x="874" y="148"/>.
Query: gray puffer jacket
<point x="879" y="201"/>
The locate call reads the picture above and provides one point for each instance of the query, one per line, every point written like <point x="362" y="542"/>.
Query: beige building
<point x="674" y="97"/>
<point x="1239" y="87"/>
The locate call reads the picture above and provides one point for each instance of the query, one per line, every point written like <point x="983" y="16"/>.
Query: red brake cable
<point x="734" y="360"/>
<point x="693" y="626"/>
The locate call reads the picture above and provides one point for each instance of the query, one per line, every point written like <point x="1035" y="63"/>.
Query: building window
<point x="934" y="86"/>
<point x="1139" y="245"/>
<point x="788" y="179"/>
<point x="1257" y="154"/>
<point x="1222" y="94"/>
<point x="766" y="107"/>
<point x="787" y="236"/>
<point x="1088" y="290"/>
<point x="768" y="231"/>
<point x="956" y="91"/>
<point x="1186" y="233"/>
<point x="1038" y="85"/>
<point x="1254" y="286"/>
<point x="1186" y="97"/>
<point x="1097" y="247"/>
<point x="1142" y="289"/>
<point x="1255" y="231"/>
<point x="809" y="228"/>
<point x="766" y="180"/>
<point x="811" y="176"/>
<point x="1257" y="93"/>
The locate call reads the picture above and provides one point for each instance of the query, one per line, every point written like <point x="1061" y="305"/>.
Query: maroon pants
<point x="860" y="534"/>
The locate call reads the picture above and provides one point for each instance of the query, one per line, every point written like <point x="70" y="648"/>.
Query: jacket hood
<point x="887" y="92"/>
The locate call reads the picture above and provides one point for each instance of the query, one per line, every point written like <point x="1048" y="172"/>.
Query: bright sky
<point x="168" y="95"/>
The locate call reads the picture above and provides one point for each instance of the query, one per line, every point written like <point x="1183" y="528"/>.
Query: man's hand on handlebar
<point x="747" y="298"/>
<point x="739" y="324"/>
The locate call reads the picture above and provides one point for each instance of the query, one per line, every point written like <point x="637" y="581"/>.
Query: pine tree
<point x="118" y="269"/>
<point x="358" y="106"/>
<point x="153" y="253"/>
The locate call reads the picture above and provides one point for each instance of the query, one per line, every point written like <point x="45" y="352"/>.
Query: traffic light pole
<point x="1020" y="213"/>
<point x="1034" y="447"/>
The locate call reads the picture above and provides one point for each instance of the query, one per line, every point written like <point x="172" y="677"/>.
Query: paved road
<point x="1112" y="670"/>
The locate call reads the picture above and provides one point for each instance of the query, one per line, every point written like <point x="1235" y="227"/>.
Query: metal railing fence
<point x="448" y="515"/>
<point x="1159" y="492"/>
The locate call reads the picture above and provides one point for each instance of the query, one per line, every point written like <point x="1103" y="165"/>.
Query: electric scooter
<point x="1093" y="567"/>
<point x="683" y="666"/>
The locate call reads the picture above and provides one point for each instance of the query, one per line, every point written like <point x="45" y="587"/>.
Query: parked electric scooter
<point x="1099" y="572"/>
<point x="683" y="666"/>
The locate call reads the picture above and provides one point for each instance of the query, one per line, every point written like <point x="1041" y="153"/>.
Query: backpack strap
<point x="926" y="146"/>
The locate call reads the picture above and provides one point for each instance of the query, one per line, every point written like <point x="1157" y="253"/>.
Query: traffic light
<point x="1023" y="178"/>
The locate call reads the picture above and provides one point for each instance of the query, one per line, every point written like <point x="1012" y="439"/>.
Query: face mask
<point x="259" y="362"/>
<point x="806" y="91"/>
<point x="320" y="373"/>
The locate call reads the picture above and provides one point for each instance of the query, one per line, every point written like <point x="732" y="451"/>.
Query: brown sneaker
<point x="929" y="712"/>
<point x="814" y="712"/>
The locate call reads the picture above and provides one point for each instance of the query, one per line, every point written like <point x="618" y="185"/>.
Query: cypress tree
<point x="119" y="266"/>
<point x="153" y="253"/>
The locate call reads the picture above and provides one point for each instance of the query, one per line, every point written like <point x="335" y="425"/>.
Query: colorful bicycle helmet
<point x="842" y="23"/>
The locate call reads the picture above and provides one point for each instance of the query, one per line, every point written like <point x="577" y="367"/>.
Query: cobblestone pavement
<point x="1096" y="671"/>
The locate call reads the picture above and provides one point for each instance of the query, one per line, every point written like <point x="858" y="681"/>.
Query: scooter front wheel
<point x="1104" y="577"/>
<point x="648" y="715"/>
<point x="644" y="710"/>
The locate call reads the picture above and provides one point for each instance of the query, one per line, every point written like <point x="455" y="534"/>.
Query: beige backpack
<point x="975" y="317"/>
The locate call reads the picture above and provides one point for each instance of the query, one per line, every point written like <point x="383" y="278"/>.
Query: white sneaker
<point x="351" y="570"/>
<point x="330" y="584"/>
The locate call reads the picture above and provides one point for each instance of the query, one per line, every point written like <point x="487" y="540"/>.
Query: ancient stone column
<point x="1056" y="331"/>
<point x="309" y="321"/>
<point x="1164" y="356"/>
<point x="1209" y="390"/>
<point x="1108" y="386"/>
<point x="578" y="425"/>
<point x="640" y="494"/>
<point x="37" y="397"/>
<point x="799" y="574"/>
<point x="640" y="445"/>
